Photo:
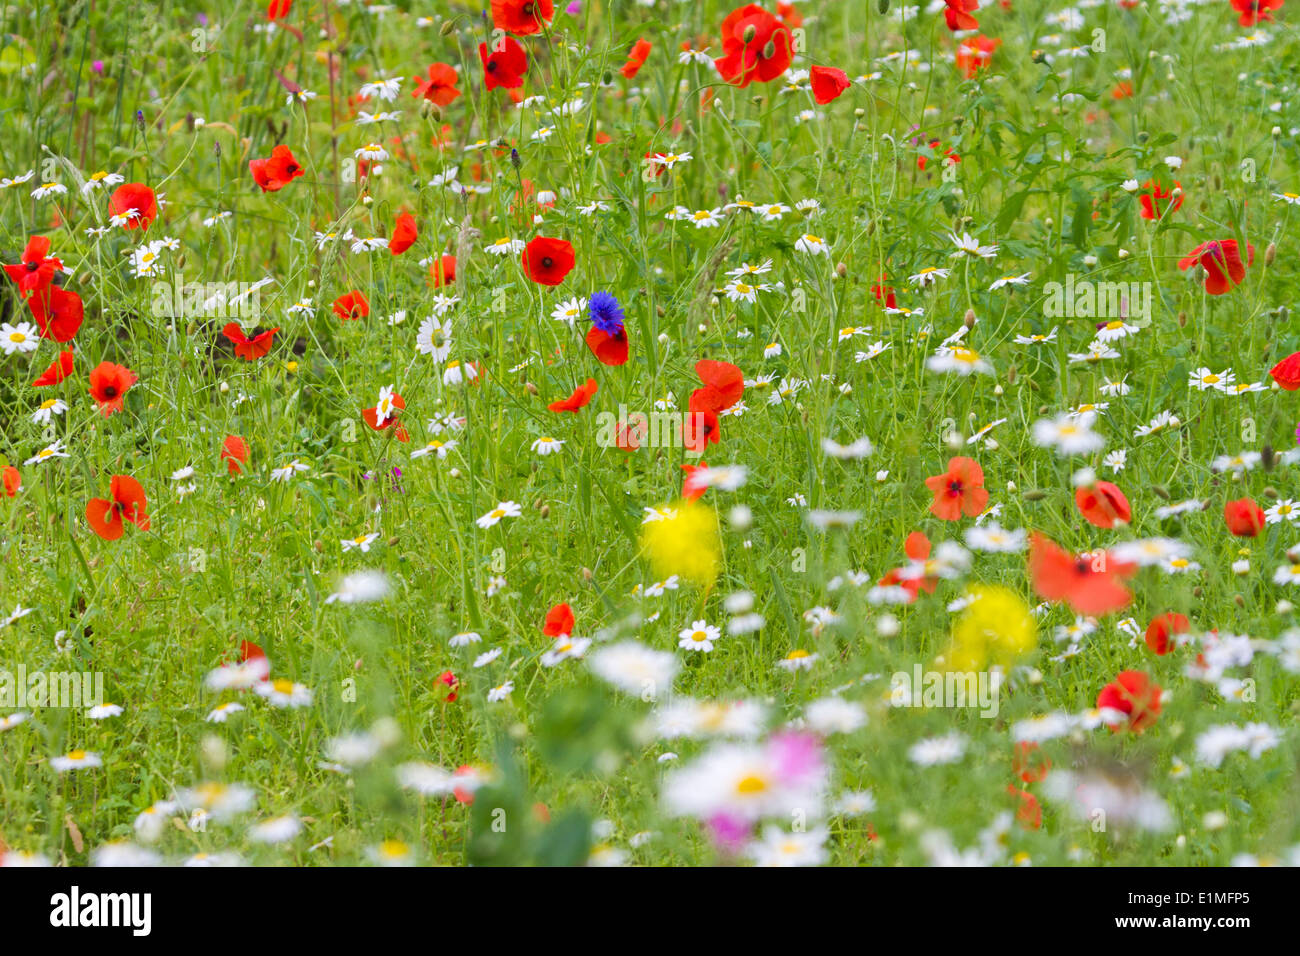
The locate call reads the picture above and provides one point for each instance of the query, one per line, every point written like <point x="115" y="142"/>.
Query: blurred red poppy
<point x="109" y="384"/>
<point x="547" y="261"/>
<point x="1134" y="694"/>
<point x="127" y="503"/>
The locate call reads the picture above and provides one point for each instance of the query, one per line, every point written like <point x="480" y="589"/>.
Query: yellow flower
<point x="996" y="628"/>
<point x="685" y="543"/>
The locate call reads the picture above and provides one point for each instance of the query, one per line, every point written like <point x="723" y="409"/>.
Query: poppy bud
<point x="1011" y="376"/>
<point x="394" y="541"/>
<point x="532" y="389"/>
<point x="545" y="511"/>
<point x="1197" y="591"/>
<point x="1035" y="495"/>
<point x="586" y="574"/>
<point x="841" y="269"/>
<point x="1239" y="600"/>
<point x="607" y="78"/>
<point x="1270" y="253"/>
<point x="748" y="36"/>
<point x="319" y="546"/>
<point x="1182" y="320"/>
<point x="969" y="319"/>
<point x="1271" y="493"/>
<point x="1160" y="490"/>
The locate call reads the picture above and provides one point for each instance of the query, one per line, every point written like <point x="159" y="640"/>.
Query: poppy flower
<point x="828" y="82"/>
<point x="234" y="452"/>
<point x="109" y="384"/>
<point x="1103" y="504"/>
<point x="246" y="348"/>
<point x="975" y="54"/>
<point x="58" y="313"/>
<point x="789" y="15"/>
<point x="609" y="348"/>
<point x="35" y="271"/>
<point x="137" y="197"/>
<point x="1030" y="764"/>
<point x="755" y="46"/>
<point x="439" y="87"/>
<point x="443" y="271"/>
<point x="547" y="261"/>
<point x="1134" y="694"/>
<point x="1287" y="372"/>
<point x="958" y="490"/>
<point x="1122" y="90"/>
<point x="396" y="404"/>
<point x="404" y="234"/>
<point x="276" y="172"/>
<point x="885" y="294"/>
<point x="917" y="548"/>
<point x="1162" y="629"/>
<point x="579" y="399"/>
<point x="700" y="426"/>
<point x="1244" y="518"/>
<point x="1155" y="199"/>
<point x="1090" y="584"/>
<point x="1029" y="813"/>
<point x="11" y="480"/>
<point x="724" y="383"/>
<point x="505" y="66"/>
<point x="950" y="157"/>
<point x="59" y="369"/>
<point x="692" y="488"/>
<point x="521" y="17"/>
<point x="957" y="14"/>
<point x="559" y="620"/>
<point x="128" y="503"/>
<point x="351" y="306"/>
<point x="628" y="437"/>
<point x="449" y="680"/>
<point x="1221" y="260"/>
<point x="278" y="9"/>
<point x="1252" y="11"/>
<point x="636" y="59"/>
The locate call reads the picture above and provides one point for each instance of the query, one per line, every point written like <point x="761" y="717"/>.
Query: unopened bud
<point x="1270" y="253"/>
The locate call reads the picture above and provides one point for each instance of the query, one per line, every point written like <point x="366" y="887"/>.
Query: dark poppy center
<point x="491" y="66"/>
<point x="528" y="9"/>
<point x="110" y="391"/>
<point x="33" y="266"/>
<point x="547" y="262"/>
<point x="954" y="487"/>
<point x="1080" y="566"/>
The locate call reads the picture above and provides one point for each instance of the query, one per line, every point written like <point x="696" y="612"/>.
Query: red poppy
<point x="128" y="504"/>
<point x="391" y="420"/>
<point x="1162" y="628"/>
<point x="404" y="234"/>
<point x="788" y="14"/>
<point x="1134" y="694"/>
<point x="1030" y="764"/>
<point x="917" y="548"/>
<point x="950" y="157"/>
<point x="755" y="46"/>
<point x="439" y="87"/>
<point x="1221" y="260"/>
<point x="636" y="59"/>
<point x="957" y="14"/>
<point x="1287" y="372"/>
<point x="547" y="261"/>
<point x="559" y="620"/>
<point x="1103" y="504"/>
<point x="11" y="480"/>
<point x="579" y="399"/>
<point x="692" y="488"/>
<point x="351" y="306"/>
<point x="443" y="271"/>
<point x="1244" y="518"/>
<point x="1029" y="813"/>
<point x="828" y="82"/>
<point x="700" y="427"/>
<point x="452" y="683"/>
<point x="885" y="294"/>
<point x="1122" y="90"/>
<point x="278" y="9"/>
<point x="1090" y="584"/>
<point x="278" y="171"/>
<point x="609" y="347"/>
<point x="246" y="348"/>
<point x="521" y="17"/>
<point x="505" y="66"/>
<point x="1252" y="11"/>
<point x="724" y="384"/>
<point x="109" y="384"/>
<point x="958" y="490"/>
<point x="1154" y="199"/>
<point x="58" y="313"/>
<point x="137" y="197"/>
<point x="975" y="54"/>
<point x="36" y="270"/>
<point x="234" y="452"/>
<point x="59" y="369"/>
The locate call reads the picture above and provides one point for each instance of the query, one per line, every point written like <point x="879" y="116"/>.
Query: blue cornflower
<point x="606" y="313"/>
